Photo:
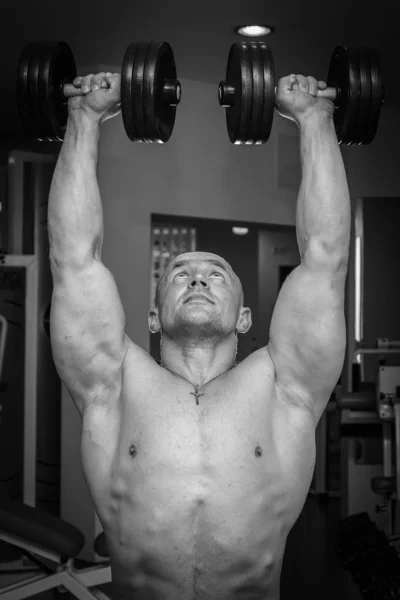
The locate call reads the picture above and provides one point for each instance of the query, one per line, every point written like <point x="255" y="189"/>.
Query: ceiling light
<point x="240" y="230"/>
<point x="254" y="30"/>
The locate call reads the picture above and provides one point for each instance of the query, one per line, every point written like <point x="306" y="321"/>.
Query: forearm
<point x="323" y="208"/>
<point x="75" y="215"/>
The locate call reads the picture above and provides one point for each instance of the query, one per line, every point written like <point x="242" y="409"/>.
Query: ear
<point x="244" y="321"/>
<point x="153" y="320"/>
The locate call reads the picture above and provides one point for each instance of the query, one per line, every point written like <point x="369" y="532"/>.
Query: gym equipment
<point x="3" y="340"/>
<point x="150" y="91"/>
<point x="52" y="544"/>
<point x="248" y="93"/>
<point x="388" y="408"/>
<point x="356" y="75"/>
<point x="366" y="553"/>
<point x="361" y="451"/>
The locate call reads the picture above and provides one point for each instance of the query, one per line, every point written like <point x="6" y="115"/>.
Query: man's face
<point x="200" y="295"/>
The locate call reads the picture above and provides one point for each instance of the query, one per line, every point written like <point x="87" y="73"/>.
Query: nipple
<point x="132" y="450"/>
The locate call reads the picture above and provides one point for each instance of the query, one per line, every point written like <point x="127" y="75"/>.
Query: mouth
<point x="198" y="298"/>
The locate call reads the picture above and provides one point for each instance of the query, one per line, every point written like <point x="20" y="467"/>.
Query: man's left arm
<point x="307" y="333"/>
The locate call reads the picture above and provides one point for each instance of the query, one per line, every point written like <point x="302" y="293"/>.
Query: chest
<point x="201" y="424"/>
<point x="159" y="436"/>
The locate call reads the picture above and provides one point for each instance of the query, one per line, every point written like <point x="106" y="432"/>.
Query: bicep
<point x="308" y="335"/>
<point x="87" y="330"/>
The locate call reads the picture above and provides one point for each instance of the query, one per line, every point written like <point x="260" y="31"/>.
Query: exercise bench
<point x="44" y="538"/>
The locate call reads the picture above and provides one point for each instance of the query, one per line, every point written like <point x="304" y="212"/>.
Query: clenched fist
<point x="102" y="95"/>
<point x="298" y="96"/>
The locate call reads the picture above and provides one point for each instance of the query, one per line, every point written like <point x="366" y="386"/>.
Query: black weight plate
<point x="365" y="96"/>
<point x="36" y="125"/>
<point x="247" y="96"/>
<point x="27" y="93"/>
<point x="165" y="113"/>
<point x="269" y="93"/>
<point x="23" y="104"/>
<point x="239" y="76"/>
<point x="350" y="124"/>
<point x="149" y="93"/>
<point x="127" y="93"/>
<point x="257" y="68"/>
<point x="159" y="116"/>
<point x="137" y="89"/>
<point x="377" y="95"/>
<point x="57" y="68"/>
<point x="350" y="121"/>
<point x="344" y="75"/>
<point x="46" y="133"/>
<point x="234" y="80"/>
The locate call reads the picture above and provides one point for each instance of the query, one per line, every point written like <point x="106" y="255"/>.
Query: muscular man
<point x="198" y="468"/>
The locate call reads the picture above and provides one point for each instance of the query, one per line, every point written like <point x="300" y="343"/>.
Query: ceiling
<point x="201" y="34"/>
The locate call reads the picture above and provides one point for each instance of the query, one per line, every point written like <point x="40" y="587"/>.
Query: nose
<point x="198" y="281"/>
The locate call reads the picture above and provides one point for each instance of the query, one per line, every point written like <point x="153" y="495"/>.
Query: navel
<point x="258" y="451"/>
<point x="132" y="450"/>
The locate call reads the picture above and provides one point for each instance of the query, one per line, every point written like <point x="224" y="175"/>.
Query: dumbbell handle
<point x="171" y="91"/>
<point x="331" y="93"/>
<point x="70" y="91"/>
<point x="226" y="94"/>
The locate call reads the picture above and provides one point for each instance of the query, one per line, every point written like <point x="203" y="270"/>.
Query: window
<point x="168" y="240"/>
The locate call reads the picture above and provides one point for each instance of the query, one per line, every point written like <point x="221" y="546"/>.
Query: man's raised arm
<point x="307" y="333"/>
<point x="87" y="319"/>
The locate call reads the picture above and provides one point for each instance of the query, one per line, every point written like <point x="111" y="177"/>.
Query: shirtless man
<point x="198" y="468"/>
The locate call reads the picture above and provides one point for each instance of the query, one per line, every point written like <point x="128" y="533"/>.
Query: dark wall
<point x="381" y="275"/>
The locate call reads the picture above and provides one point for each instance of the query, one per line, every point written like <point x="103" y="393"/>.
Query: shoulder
<point x="256" y="370"/>
<point x="290" y="401"/>
<point x="139" y="361"/>
<point x="258" y="363"/>
<point x="141" y="373"/>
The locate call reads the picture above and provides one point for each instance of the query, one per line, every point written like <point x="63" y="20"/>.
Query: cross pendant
<point x="196" y="394"/>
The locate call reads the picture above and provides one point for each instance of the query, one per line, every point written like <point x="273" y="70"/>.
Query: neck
<point x="198" y="362"/>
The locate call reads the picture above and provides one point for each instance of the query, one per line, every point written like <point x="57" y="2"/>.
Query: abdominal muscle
<point x="196" y="502"/>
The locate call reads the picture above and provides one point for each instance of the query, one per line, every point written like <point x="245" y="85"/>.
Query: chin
<point x="199" y="325"/>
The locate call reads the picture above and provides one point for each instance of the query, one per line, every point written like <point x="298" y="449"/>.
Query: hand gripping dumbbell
<point x="248" y="93"/>
<point x="150" y="91"/>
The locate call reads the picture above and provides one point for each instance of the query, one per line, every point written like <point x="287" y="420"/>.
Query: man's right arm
<point x="87" y="319"/>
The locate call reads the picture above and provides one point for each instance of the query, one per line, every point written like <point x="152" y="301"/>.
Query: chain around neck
<point x="198" y="388"/>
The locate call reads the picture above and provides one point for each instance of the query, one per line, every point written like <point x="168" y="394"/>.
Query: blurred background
<point x="199" y="191"/>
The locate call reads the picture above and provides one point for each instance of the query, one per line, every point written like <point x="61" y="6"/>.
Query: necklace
<point x="197" y="388"/>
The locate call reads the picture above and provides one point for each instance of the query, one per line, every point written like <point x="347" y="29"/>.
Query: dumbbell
<point x="248" y="93"/>
<point x="150" y="91"/>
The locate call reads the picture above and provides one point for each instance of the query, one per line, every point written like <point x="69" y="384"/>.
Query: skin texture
<point x="202" y="505"/>
<point x="196" y="501"/>
<point x="200" y="315"/>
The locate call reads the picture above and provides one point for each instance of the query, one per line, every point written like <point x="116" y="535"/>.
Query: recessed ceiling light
<point x="240" y="230"/>
<point x="254" y="30"/>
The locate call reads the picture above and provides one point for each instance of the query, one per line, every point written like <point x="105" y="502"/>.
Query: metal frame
<point x="3" y="339"/>
<point x="356" y="349"/>
<point x="15" y="166"/>
<point x="81" y="583"/>
<point x="29" y="262"/>
<point x="15" y="184"/>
